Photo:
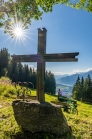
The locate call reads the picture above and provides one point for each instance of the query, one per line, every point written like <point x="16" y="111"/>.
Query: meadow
<point x="81" y="124"/>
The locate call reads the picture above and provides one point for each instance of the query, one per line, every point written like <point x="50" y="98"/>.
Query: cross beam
<point x="60" y="57"/>
<point x="41" y="57"/>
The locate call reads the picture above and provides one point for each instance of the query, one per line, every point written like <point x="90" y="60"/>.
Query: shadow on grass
<point x="88" y="103"/>
<point x="39" y="135"/>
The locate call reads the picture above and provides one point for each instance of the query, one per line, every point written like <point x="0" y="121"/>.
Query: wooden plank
<point x="61" y="57"/>
<point x="62" y="60"/>
<point x="25" y="58"/>
<point x="63" y="54"/>
<point x="40" y="80"/>
<point x="42" y="41"/>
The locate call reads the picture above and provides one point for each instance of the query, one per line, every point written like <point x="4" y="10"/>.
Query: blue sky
<point x="68" y="30"/>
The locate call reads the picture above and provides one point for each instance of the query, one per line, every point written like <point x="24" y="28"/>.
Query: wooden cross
<point x="41" y="57"/>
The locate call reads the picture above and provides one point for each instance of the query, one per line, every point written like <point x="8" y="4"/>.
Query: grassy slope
<point x="81" y="124"/>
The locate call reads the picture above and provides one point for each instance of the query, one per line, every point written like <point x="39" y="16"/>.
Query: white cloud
<point x="31" y="66"/>
<point x="73" y="72"/>
<point x="88" y="69"/>
<point x="78" y="70"/>
<point x="58" y="73"/>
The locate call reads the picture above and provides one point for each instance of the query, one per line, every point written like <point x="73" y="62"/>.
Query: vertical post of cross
<point x="41" y="64"/>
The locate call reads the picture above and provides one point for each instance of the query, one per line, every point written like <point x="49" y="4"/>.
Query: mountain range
<point x="70" y="80"/>
<point x="65" y="82"/>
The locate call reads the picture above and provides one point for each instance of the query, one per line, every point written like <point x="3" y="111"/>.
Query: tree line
<point x="82" y="89"/>
<point x="22" y="73"/>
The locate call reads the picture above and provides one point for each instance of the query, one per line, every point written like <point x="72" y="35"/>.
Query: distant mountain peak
<point x="71" y="79"/>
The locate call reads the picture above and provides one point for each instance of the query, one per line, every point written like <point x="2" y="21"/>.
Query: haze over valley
<point x="66" y="82"/>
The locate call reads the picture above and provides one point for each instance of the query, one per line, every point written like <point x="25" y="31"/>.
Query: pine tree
<point x="14" y="72"/>
<point x="50" y="83"/>
<point x="77" y="89"/>
<point x="20" y="73"/>
<point x="88" y="88"/>
<point x="26" y="73"/>
<point x="4" y="61"/>
<point x="82" y="88"/>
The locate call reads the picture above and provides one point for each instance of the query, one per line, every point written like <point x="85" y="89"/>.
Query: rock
<point x="36" y="117"/>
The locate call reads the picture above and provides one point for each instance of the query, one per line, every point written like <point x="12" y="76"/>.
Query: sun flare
<point x="18" y="30"/>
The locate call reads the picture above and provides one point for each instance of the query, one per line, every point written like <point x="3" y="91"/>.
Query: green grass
<point x="8" y="125"/>
<point x="81" y="124"/>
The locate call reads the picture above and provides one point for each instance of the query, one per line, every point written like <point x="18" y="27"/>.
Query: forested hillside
<point x="82" y="89"/>
<point x="22" y="73"/>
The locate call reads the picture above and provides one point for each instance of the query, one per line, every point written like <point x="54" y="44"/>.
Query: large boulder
<point x="36" y="117"/>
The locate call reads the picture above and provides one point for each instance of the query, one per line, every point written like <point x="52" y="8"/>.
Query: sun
<point x="18" y="30"/>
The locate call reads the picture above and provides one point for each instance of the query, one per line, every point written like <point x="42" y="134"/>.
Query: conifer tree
<point x="88" y="87"/>
<point x="77" y="89"/>
<point x="14" y="72"/>
<point x="4" y="61"/>
<point x="50" y="83"/>
<point x="82" y="87"/>
<point x="26" y="73"/>
<point x="20" y="73"/>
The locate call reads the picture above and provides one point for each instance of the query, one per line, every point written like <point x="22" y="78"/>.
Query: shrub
<point x="6" y="88"/>
<point x="5" y="80"/>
